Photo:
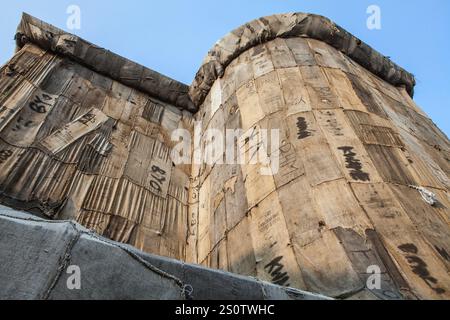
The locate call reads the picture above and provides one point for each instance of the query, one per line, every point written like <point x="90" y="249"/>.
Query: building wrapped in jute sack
<point x="362" y="183"/>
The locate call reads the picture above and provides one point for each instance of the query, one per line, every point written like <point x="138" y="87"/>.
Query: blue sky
<point x="173" y="36"/>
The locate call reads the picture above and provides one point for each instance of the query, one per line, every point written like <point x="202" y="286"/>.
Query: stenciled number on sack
<point x="158" y="178"/>
<point x="41" y="103"/>
<point x="5" y="155"/>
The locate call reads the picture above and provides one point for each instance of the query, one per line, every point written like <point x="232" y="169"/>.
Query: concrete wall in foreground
<point x="36" y="256"/>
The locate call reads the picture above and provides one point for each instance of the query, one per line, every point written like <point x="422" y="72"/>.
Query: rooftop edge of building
<point x="294" y="25"/>
<point x="249" y="35"/>
<point x="103" y="61"/>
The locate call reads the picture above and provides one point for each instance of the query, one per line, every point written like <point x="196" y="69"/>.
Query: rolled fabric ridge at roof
<point x="103" y="61"/>
<point x="294" y="25"/>
<point x="220" y="56"/>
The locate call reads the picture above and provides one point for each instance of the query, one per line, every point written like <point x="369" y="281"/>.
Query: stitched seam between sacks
<point x="63" y="261"/>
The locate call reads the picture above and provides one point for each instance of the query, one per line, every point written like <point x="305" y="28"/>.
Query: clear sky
<point x="173" y="36"/>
